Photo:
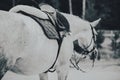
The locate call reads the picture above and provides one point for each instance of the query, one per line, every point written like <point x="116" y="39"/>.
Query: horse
<point x="25" y="49"/>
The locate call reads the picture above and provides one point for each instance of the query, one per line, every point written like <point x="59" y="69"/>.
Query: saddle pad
<point x="48" y="28"/>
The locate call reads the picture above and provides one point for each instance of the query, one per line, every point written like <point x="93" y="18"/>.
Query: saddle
<point x="52" y="26"/>
<point x="60" y="21"/>
<point x="56" y="17"/>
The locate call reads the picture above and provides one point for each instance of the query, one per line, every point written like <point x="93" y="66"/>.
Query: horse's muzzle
<point x="94" y="54"/>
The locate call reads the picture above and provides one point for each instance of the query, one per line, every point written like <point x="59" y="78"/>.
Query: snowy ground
<point x="103" y="70"/>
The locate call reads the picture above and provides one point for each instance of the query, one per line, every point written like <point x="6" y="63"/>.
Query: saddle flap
<point x="48" y="28"/>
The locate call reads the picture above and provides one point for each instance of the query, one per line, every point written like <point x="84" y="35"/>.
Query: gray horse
<point x="25" y="49"/>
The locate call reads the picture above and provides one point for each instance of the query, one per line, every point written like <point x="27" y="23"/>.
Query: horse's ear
<point x="95" y="23"/>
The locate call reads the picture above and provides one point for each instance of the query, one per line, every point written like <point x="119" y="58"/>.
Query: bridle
<point x="92" y="40"/>
<point x="85" y="51"/>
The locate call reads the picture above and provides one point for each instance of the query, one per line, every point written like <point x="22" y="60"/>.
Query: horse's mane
<point x="76" y="21"/>
<point x="70" y="15"/>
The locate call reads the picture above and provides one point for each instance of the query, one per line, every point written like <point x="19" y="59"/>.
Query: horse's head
<point x="84" y="32"/>
<point x="86" y="38"/>
<point x="84" y="41"/>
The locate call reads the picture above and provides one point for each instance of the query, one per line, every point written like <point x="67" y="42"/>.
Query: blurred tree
<point x="77" y="7"/>
<point x="83" y="8"/>
<point x="54" y="3"/>
<point x="107" y="10"/>
<point x="100" y="38"/>
<point x="90" y="10"/>
<point x="35" y="3"/>
<point x="70" y="6"/>
<point x="5" y="4"/>
<point x="116" y="44"/>
<point x="64" y="6"/>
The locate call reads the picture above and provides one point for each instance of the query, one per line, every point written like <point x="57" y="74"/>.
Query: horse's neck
<point x="76" y="23"/>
